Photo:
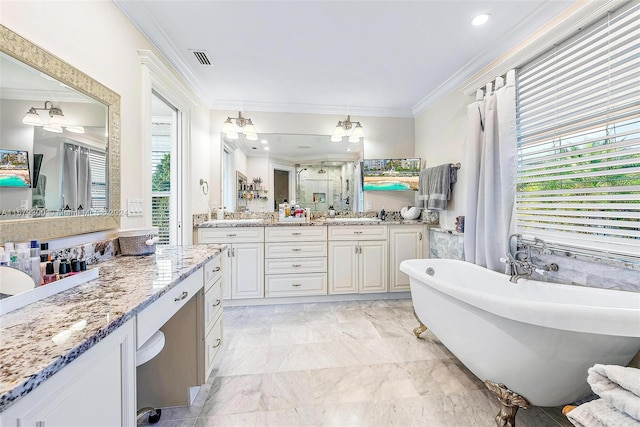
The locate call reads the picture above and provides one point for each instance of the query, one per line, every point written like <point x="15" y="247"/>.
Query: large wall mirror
<point x="309" y="169"/>
<point x="59" y="146"/>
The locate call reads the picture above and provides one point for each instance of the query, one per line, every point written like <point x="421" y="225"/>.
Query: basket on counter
<point x="138" y="241"/>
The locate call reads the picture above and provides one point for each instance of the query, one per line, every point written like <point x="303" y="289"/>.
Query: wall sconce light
<point x="236" y="125"/>
<point x="343" y="128"/>
<point x="56" y="122"/>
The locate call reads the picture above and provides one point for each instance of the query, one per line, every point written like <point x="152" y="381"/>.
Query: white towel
<point x="619" y="386"/>
<point x="598" y="413"/>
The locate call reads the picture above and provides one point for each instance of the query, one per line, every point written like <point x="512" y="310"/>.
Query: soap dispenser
<point x="382" y="214"/>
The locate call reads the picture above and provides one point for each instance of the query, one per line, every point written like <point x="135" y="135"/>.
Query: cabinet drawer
<point x="154" y="316"/>
<point x="296" y="234"/>
<point x="362" y="232"/>
<point x="213" y="270"/>
<point x="212" y="304"/>
<point x="212" y="346"/>
<point x="231" y="235"/>
<point x="295" y="249"/>
<point x="283" y="285"/>
<point x="295" y="265"/>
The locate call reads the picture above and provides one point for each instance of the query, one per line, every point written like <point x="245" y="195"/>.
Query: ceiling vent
<point x="201" y="56"/>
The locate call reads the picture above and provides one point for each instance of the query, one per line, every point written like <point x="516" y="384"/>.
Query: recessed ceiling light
<point x="480" y="19"/>
<point x="347" y="149"/>
<point x="264" y="141"/>
<point x="266" y="148"/>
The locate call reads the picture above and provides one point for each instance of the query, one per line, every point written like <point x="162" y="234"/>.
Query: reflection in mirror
<point x="63" y="133"/>
<point x="61" y="85"/>
<point x="323" y="173"/>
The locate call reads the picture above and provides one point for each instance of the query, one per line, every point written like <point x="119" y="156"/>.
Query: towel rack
<point x="455" y="165"/>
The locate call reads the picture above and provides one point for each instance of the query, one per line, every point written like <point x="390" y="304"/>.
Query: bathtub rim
<point x="622" y="322"/>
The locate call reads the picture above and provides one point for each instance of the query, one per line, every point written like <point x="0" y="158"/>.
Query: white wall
<point x="441" y="138"/>
<point x="96" y="38"/>
<point x="386" y="137"/>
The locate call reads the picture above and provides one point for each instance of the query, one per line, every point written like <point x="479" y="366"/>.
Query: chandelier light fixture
<point x="234" y="126"/>
<point x="56" y="121"/>
<point x="348" y="128"/>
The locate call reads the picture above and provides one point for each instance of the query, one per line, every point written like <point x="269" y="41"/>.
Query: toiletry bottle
<point x="35" y="248"/>
<point x="75" y="267"/>
<point x="220" y="213"/>
<point x="36" y="274"/>
<point x="44" y="259"/>
<point x="49" y="275"/>
<point x="5" y="260"/>
<point x="63" y="270"/>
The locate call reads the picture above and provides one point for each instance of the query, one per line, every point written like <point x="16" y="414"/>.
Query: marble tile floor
<point x="340" y="364"/>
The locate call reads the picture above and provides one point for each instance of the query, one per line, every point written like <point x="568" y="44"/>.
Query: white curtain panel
<point x="490" y="175"/>
<point x="76" y="179"/>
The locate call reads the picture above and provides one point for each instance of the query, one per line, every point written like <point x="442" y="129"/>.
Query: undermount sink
<point x="234" y="221"/>
<point x="353" y="219"/>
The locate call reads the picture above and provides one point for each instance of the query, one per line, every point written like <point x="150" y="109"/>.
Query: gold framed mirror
<point x="69" y="223"/>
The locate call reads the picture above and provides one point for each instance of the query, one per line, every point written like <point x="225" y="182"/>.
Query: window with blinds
<point x="97" y="164"/>
<point x="578" y="118"/>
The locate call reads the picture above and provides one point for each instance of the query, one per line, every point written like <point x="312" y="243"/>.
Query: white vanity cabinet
<point x="243" y="261"/>
<point x="357" y="259"/>
<point x="212" y="323"/>
<point x="295" y="261"/>
<point x="96" y="389"/>
<point x="405" y="242"/>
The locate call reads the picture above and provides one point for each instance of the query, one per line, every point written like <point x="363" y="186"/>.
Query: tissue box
<point x="134" y="241"/>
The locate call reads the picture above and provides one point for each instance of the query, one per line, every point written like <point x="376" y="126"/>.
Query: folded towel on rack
<point x="619" y="386"/>
<point x="598" y="413"/>
<point x="434" y="188"/>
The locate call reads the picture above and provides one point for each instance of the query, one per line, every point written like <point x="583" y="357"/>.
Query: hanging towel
<point x="598" y="413"/>
<point x="619" y="386"/>
<point x="434" y="189"/>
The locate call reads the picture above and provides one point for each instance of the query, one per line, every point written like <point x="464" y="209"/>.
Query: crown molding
<point x="37" y="95"/>
<point x="275" y="107"/>
<point x="152" y="31"/>
<point x="557" y="30"/>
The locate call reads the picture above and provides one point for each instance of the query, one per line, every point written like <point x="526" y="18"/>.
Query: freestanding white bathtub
<point x="536" y="338"/>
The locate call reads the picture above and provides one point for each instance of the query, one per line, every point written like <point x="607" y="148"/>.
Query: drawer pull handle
<point x="217" y="303"/>
<point x="296" y="249"/>
<point x="218" y="342"/>
<point x="357" y="232"/>
<point x="296" y="234"/>
<point x="231" y="235"/>
<point x="296" y="265"/>
<point x="182" y="296"/>
<point x="296" y="284"/>
<point x="215" y="270"/>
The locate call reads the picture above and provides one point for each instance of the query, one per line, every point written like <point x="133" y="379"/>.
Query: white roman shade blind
<point x="578" y="117"/>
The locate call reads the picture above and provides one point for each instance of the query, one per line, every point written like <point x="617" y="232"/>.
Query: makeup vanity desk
<point x="70" y="359"/>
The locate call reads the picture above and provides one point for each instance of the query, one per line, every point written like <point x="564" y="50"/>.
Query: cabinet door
<point x="372" y="269"/>
<point x="405" y="243"/>
<point x="227" y="268"/>
<point x="247" y="270"/>
<point x="343" y="268"/>
<point x="96" y="389"/>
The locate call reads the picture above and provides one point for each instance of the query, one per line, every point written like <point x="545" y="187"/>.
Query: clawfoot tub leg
<point x="420" y="329"/>
<point x="509" y="401"/>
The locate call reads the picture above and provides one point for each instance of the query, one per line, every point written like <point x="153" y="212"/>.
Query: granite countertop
<point x="365" y="222"/>
<point x="126" y="285"/>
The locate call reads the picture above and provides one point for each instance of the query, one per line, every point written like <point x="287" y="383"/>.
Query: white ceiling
<point x="335" y="57"/>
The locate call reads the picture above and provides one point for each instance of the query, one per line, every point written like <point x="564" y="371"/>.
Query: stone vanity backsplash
<point x="429" y="217"/>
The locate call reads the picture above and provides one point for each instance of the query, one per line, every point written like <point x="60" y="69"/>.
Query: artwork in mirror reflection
<point x="61" y="133"/>
<point x="14" y="168"/>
